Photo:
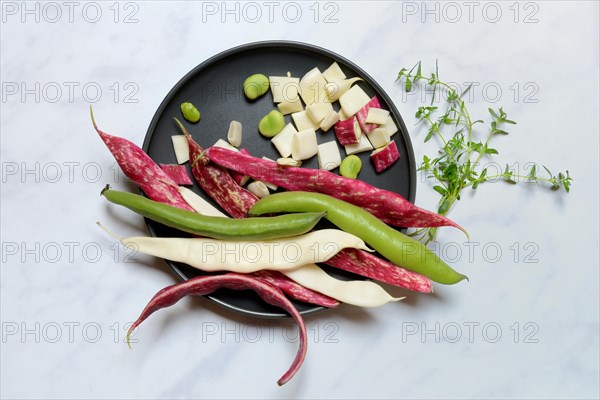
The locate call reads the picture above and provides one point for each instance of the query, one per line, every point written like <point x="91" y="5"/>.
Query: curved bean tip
<point x="107" y="187"/>
<point x="92" y="116"/>
<point x="185" y="132"/>
<point x="109" y="232"/>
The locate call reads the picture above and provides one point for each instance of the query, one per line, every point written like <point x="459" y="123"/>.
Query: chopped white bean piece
<point x="362" y="145"/>
<point x="199" y="204"/>
<point x="329" y="155"/>
<point x="283" y="140"/>
<point x="303" y="121"/>
<point x="336" y="89"/>
<point x="389" y="126"/>
<point x="334" y="73"/>
<point x="353" y="100"/>
<point x="377" y="116"/>
<point x="329" y="121"/>
<point x="289" y="162"/>
<point x="181" y="148"/>
<point x="259" y="189"/>
<point x="284" y="88"/>
<point x="318" y="111"/>
<point x="312" y="87"/>
<point x="290" y="106"/>
<point x="225" y="145"/>
<point x="304" y="144"/>
<point x="234" y="136"/>
<point x="378" y="137"/>
<point x="343" y="115"/>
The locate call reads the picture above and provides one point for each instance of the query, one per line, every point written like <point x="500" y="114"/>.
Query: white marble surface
<point x="63" y="314"/>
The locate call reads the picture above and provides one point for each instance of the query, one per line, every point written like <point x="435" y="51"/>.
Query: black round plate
<point x="215" y="88"/>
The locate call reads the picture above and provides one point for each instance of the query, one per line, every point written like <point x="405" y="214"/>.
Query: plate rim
<point x="292" y="45"/>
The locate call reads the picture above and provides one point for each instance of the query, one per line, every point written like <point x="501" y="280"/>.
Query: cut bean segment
<point x="181" y="148"/>
<point x="378" y="138"/>
<point x="348" y="131"/>
<point x="353" y="100"/>
<point x="204" y="285"/>
<point x="283" y="141"/>
<point x="377" y="116"/>
<point x="304" y="144"/>
<point x="360" y="147"/>
<point x="329" y="155"/>
<point x="198" y="203"/>
<point x="336" y="89"/>
<point x="361" y="115"/>
<point x="330" y="120"/>
<point x="385" y="157"/>
<point x="334" y="73"/>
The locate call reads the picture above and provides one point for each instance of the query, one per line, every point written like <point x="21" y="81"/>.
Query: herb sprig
<point x="456" y="166"/>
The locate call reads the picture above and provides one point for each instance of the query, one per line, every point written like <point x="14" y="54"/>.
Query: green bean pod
<point x="390" y="243"/>
<point x="263" y="228"/>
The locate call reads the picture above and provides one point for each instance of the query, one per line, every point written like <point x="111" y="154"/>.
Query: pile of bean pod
<point x="360" y="211"/>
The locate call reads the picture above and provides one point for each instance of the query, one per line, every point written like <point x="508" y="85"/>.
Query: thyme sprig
<point x="456" y="166"/>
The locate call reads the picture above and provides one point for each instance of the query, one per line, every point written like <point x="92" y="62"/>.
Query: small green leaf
<point x="466" y="90"/>
<point x="491" y="151"/>
<point x="444" y="206"/>
<point x="408" y="85"/>
<point x="532" y="171"/>
<point x="493" y="113"/>
<point x="440" y="190"/>
<point x="429" y="134"/>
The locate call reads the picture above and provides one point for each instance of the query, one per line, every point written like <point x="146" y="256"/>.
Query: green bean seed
<point x="350" y="166"/>
<point x="400" y="249"/>
<point x="255" y="86"/>
<point x="190" y="112"/>
<point x="263" y="228"/>
<point x="271" y="124"/>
